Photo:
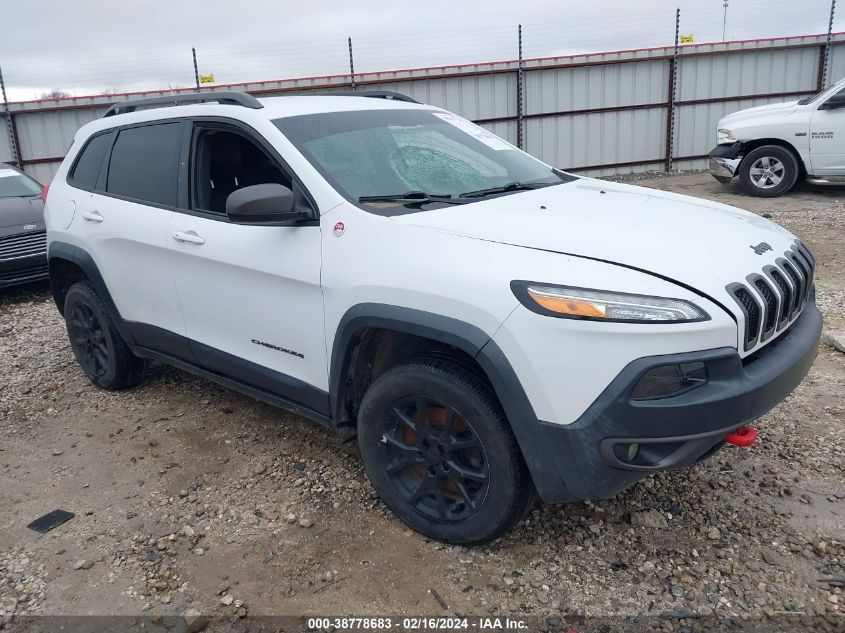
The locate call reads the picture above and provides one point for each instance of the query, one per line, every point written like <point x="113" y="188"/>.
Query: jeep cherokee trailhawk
<point x="488" y="326"/>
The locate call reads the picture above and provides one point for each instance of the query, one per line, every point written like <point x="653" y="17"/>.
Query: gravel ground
<point x="190" y="496"/>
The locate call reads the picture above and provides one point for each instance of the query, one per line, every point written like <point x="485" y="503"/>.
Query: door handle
<point x="92" y="216"/>
<point x="188" y="237"/>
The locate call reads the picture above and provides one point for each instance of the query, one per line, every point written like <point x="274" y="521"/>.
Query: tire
<point x="98" y="347"/>
<point x="455" y="474"/>
<point x="768" y="171"/>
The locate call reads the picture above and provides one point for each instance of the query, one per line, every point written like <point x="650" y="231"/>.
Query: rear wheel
<point x="768" y="171"/>
<point x="438" y="450"/>
<point x="99" y="349"/>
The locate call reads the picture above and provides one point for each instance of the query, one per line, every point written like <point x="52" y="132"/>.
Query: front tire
<point x="438" y="450"/>
<point x="768" y="171"/>
<point x="99" y="349"/>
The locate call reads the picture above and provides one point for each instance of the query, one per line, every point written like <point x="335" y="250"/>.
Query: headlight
<point x="599" y="305"/>
<point x="724" y="136"/>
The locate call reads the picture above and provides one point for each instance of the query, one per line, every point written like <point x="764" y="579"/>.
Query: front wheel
<point x="438" y="450"/>
<point x="768" y="171"/>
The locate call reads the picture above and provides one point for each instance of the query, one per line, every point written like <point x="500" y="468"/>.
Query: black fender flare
<point x="477" y="344"/>
<point x="82" y="258"/>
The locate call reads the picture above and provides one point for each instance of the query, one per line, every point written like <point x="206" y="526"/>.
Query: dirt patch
<point x="187" y="495"/>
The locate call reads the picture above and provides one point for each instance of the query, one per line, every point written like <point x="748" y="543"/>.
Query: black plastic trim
<point x="81" y="257"/>
<point x="236" y="385"/>
<point x="373" y="94"/>
<point x="222" y="97"/>
<point x="731" y="152"/>
<point x="230" y="367"/>
<point x="476" y="343"/>
<point x="263" y="378"/>
<point x="737" y="393"/>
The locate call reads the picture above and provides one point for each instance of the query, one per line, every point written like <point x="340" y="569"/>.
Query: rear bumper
<point x="21" y="270"/>
<point x="724" y="161"/>
<point x="592" y="458"/>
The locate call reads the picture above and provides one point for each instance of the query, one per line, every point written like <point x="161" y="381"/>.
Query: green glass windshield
<point x="392" y="152"/>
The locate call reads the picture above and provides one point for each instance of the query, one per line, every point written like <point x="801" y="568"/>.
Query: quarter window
<point x="87" y="168"/>
<point x="145" y="162"/>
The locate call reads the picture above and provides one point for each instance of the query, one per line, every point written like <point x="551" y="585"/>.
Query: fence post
<point x="520" y="141"/>
<point x="826" y="56"/>
<point x="351" y="65"/>
<point x="11" y="123"/>
<point x="670" y="101"/>
<point x="196" y="71"/>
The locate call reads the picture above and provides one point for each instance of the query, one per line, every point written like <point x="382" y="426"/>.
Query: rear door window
<point x="87" y="168"/>
<point x="144" y="163"/>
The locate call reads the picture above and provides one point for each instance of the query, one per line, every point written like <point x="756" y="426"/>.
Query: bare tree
<point x="54" y="94"/>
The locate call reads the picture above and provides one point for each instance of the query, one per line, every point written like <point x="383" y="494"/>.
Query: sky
<point x="94" y="46"/>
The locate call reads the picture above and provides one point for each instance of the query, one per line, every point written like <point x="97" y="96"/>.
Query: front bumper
<point x="21" y="270"/>
<point x="724" y="161"/>
<point x="591" y="458"/>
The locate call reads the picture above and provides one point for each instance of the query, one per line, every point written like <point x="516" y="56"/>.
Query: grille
<point x="785" y="295"/>
<point x="770" y="309"/>
<point x="23" y="273"/>
<point x="771" y="301"/>
<point x="23" y="244"/>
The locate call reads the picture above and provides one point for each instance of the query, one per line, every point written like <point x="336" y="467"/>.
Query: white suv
<point x="488" y="326"/>
<point x="771" y="147"/>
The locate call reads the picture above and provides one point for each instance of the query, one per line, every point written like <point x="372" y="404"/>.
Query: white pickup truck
<point x="771" y="147"/>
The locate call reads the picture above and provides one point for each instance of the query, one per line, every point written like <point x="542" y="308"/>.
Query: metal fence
<point x="600" y="114"/>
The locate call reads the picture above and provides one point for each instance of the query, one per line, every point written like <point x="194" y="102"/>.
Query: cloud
<point x="88" y="46"/>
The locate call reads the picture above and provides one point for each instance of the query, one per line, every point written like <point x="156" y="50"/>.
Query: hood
<point x="700" y="244"/>
<point x="15" y="213"/>
<point x="772" y="109"/>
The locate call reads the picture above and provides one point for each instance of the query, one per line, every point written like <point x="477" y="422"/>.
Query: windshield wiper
<point x="511" y="186"/>
<point x="411" y="197"/>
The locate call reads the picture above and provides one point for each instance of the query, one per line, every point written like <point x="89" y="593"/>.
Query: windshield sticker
<point x="488" y="138"/>
<point x="5" y="173"/>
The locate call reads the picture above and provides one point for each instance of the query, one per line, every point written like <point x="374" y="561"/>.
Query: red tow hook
<point x="744" y="436"/>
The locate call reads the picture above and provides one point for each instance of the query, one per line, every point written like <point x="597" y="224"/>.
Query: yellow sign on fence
<point x="687" y="39"/>
<point x="207" y="79"/>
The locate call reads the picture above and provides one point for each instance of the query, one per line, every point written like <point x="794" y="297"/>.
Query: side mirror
<point x="834" y="103"/>
<point x="263" y="205"/>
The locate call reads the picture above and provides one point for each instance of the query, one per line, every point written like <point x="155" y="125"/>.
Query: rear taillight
<point x="44" y="191"/>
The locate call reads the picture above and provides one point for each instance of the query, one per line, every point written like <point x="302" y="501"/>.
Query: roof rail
<point x="373" y="94"/>
<point x="223" y="97"/>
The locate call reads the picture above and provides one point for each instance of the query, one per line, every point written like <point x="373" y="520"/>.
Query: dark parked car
<point x="23" y="240"/>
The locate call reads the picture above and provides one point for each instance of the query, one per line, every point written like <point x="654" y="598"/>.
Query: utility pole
<point x="196" y="70"/>
<point x="351" y="65"/>
<point x="519" y="94"/>
<point x="724" y="17"/>
<point x="826" y="63"/>
<point x="10" y="122"/>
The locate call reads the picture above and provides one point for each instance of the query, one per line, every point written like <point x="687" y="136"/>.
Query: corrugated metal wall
<point x="599" y="114"/>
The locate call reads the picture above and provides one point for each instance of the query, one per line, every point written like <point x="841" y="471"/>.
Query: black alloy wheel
<point x="96" y="343"/>
<point x="440" y="452"/>
<point x="434" y="458"/>
<point x="89" y="340"/>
